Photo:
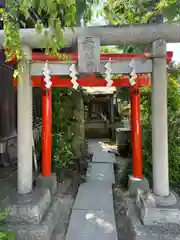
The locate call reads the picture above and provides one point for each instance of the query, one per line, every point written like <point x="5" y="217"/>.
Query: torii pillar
<point x="46" y="131"/>
<point x="136" y="137"/>
<point x="159" y="206"/>
<point x="136" y="180"/>
<point x="160" y="124"/>
<point x="24" y="119"/>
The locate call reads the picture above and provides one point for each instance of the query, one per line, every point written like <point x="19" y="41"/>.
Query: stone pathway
<point x="92" y="215"/>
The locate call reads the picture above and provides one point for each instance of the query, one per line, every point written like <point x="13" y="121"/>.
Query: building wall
<point x="8" y="123"/>
<point x="8" y="112"/>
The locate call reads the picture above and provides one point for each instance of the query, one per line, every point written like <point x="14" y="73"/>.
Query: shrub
<point x="66" y="123"/>
<point x="63" y="119"/>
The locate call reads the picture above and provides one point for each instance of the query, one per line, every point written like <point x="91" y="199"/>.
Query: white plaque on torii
<point x="88" y="54"/>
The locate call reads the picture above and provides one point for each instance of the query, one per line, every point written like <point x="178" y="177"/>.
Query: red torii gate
<point x="91" y="81"/>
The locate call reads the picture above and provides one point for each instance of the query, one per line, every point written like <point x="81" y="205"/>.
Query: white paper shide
<point x="47" y="76"/>
<point x="73" y="73"/>
<point x="108" y="76"/>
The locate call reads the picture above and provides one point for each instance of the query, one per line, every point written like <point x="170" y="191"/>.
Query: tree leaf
<point x="2" y="236"/>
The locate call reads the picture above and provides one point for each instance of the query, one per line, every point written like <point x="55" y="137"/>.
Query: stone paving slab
<point x="94" y="196"/>
<point x="92" y="217"/>
<point x="104" y="157"/>
<point x="91" y="225"/>
<point x="103" y="172"/>
<point x="96" y="145"/>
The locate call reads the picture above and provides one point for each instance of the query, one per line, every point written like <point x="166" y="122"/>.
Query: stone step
<point x="42" y="231"/>
<point x="96" y="145"/>
<point x="103" y="172"/>
<point x="91" y="225"/>
<point x="94" y="196"/>
<point x="103" y="157"/>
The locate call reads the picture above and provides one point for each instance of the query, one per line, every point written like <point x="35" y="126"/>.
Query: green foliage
<point x="124" y="93"/>
<point x="14" y="8"/>
<point x="173" y="130"/>
<point x="63" y="120"/>
<point x="7" y="236"/>
<point x="141" y="11"/>
<point x="56" y="15"/>
<point x="84" y="10"/>
<point x="64" y="124"/>
<point x="3" y="215"/>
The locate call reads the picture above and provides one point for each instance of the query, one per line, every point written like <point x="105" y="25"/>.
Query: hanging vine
<point x="57" y="15"/>
<point x="44" y="15"/>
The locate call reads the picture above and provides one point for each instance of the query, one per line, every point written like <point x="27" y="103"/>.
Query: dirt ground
<point x="120" y="192"/>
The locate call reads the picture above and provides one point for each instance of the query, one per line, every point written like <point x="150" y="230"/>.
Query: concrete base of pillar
<point x="29" y="208"/>
<point x="158" y="210"/>
<point x="47" y="182"/>
<point x="42" y="231"/>
<point x="135" y="184"/>
<point x="53" y="221"/>
<point x="137" y="231"/>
